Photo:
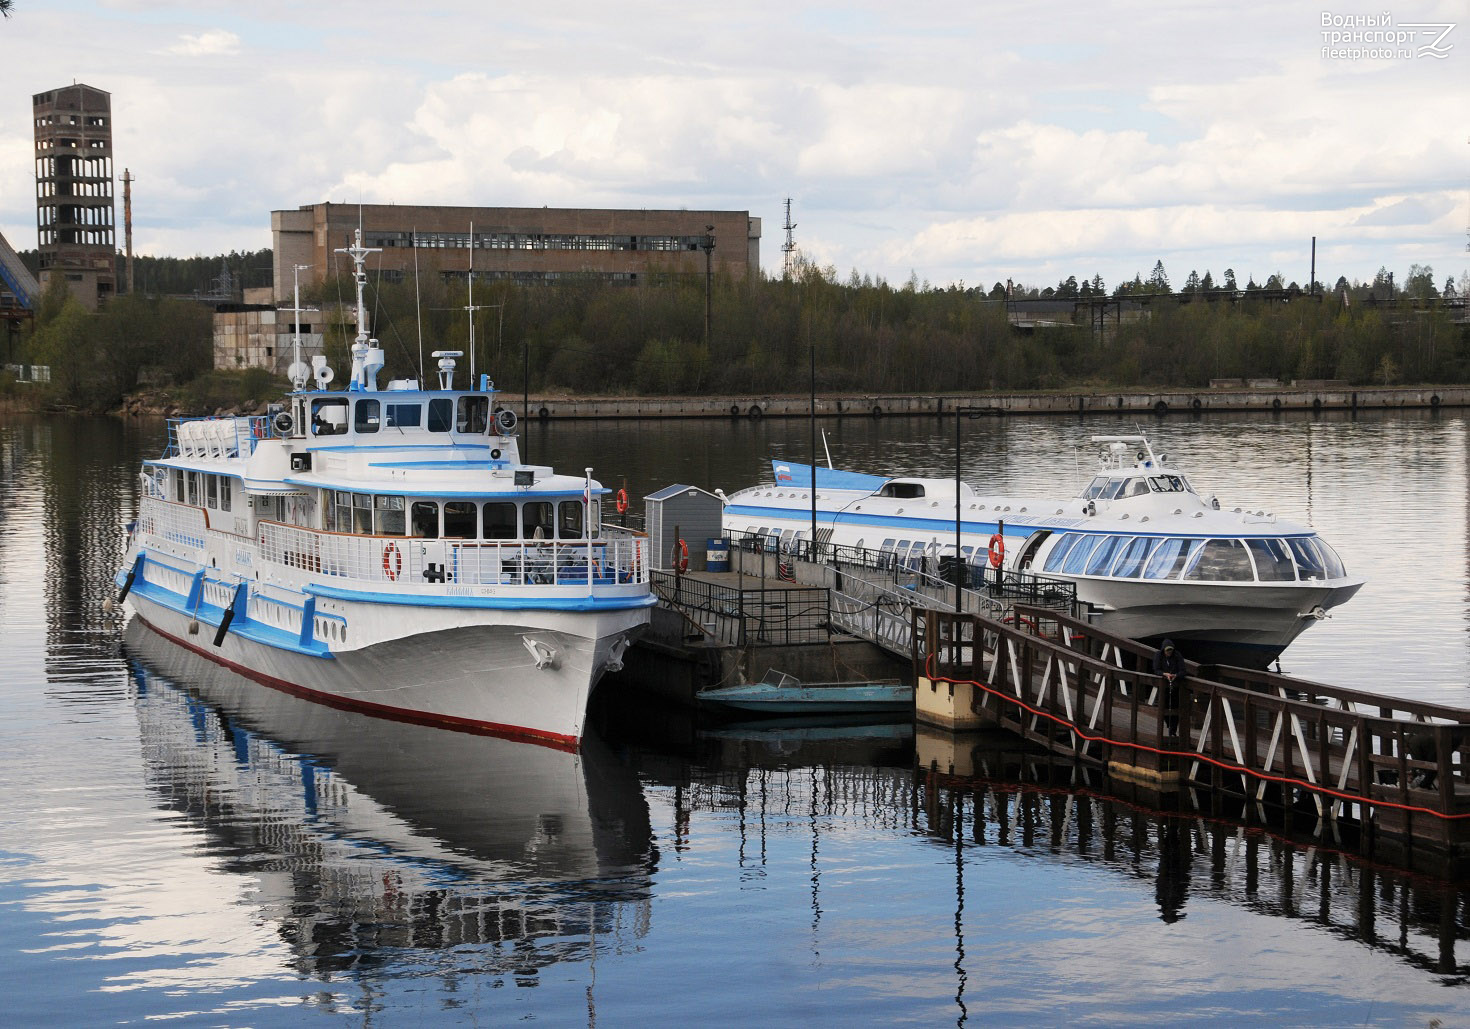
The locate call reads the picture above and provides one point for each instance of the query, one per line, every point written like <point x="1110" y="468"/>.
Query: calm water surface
<point x="178" y="843"/>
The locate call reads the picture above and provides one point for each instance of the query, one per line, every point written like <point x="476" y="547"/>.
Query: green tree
<point x="1158" y="279"/>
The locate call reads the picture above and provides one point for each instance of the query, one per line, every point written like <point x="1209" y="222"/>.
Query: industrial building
<point x="526" y="245"/>
<point x="74" y="202"/>
<point x="258" y="334"/>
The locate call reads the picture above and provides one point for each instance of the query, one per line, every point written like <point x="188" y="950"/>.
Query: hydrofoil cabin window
<point x="1077" y="559"/>
<point x="537" y="521"/>
<point x="902" y="490"/>
<point x="441" y="414"/>
<point x="1170" y="558"/>
<point x="404" y="416"/>
<point x="329" y="417"/>
<point x="473" y="415"/>
<point x="366" y="417"/>
<point x="1221" y="561"/>
<point x="425" y="518"/>
<point x="460" y="517"/>
<point x="388" y="516"/>
<point x="1130" y="563"/>
<point x="1102" y="558"/>
<point x="500" y="520"/>
<point x="1273" y="560"/>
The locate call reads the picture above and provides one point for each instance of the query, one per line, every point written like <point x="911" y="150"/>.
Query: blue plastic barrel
<point x="716" y="555"/>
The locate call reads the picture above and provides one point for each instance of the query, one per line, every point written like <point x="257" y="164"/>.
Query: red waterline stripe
<point x="556" y="741"/>
<point x="1190" y="754"/>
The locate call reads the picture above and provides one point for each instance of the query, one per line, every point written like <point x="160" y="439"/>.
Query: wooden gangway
<point x="1397" y="767"/>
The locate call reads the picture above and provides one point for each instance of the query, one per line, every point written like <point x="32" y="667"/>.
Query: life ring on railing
<point x="681" y="559"/>
<point x="392" y="561"/>
<point x="997" y="550"/>
<point x="622" y="501"/>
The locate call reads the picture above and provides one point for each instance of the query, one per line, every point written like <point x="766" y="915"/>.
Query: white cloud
<point x="206" y="44"/>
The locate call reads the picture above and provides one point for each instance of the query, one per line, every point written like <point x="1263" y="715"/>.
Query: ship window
<point x="1335" y="569"/>
<point x="178" y="485"/>
<point x="424" y="516"/>
<point x="388" y="515"/>
<point x="1095" y="487"/>
<point x="1170" y="558"/>
<point x="194" y="488"/>
<point x="459" y="519"/>
<point x="1130" y="564"/>
<point x="536" y="520"/>
<point x="1308" y="559"/>
<point x="569" y="520"/>
<point x="362" y="514"/>
<point x="902" y="490"/>
<point x="500" y="520"/>
<point x="1102" y="557"/>
<point x="404" y="416"/>
<point x="1273" y="560"/>
<point x="594" y="519"/>
<point x="366" y="416"/>
<point x="1059" y="552"/>
<point x="1114" y="488"/>
<point x="211" y="491"/>
<point x="224" y="493"/>
<point x="1077" y="559"/>
<point x="1220" y="561"/>
<point x="1136" y="488"/>
<point x="328" y="417"/>
<point x="473" y="415"/>
<point x="441" y="414"/>
<point x="329" y="513"/>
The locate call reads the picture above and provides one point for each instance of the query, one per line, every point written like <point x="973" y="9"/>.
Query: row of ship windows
<point x="366" y="514"/>
<point x="1292" y="559"/>
<point x="1116" y="487"/>
<point x="200" y="489"/>
<point x="329" y="417"/>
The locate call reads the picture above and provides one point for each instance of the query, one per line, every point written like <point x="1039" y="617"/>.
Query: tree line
<point x="583" y="335"/>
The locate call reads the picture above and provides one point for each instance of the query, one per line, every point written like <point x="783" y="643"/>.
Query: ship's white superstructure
<point x="1149" y="555"/>
<point x="387" y="550"/>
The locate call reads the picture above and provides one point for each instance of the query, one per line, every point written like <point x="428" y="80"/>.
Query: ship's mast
<point x="366" y="358"/>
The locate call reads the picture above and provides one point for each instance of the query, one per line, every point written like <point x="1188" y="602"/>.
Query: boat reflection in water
<point x="369" y="836"/>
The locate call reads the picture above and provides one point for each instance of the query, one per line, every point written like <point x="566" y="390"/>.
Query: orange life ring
<point x="622" y="500"/>
<point x="392" y="561"/>
<point x="681" y="563"/>
<point x="997" y="550"/>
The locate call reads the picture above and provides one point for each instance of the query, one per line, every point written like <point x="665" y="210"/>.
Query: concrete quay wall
<point x="1160" y="402"/>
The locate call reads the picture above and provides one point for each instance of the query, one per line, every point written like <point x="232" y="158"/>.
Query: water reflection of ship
<point x="367" y="836"/>
<point x="1028" y="802"/>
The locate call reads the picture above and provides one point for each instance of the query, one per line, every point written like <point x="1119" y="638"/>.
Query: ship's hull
<point x="1246" y="625"/>
<point x="519" y="673"/>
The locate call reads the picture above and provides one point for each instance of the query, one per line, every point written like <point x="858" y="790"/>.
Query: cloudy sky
<point x="957" y="142"/>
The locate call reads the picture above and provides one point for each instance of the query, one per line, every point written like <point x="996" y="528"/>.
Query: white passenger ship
<point x="386" y="550"/>
<point x="1148" y="554"/>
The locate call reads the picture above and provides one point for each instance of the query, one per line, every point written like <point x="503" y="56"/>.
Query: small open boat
<point x="782" y="694"/>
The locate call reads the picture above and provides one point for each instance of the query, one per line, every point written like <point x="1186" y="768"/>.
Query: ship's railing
<point x="216" y="439"/>
<point x="619" y="558"/>
<point x="170" y="528"/>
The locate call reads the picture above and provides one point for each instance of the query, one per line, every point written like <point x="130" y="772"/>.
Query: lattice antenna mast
<point x="789" y="247"/>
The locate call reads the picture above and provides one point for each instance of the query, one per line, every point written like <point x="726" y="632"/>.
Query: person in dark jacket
<point x="1169" y="663"/>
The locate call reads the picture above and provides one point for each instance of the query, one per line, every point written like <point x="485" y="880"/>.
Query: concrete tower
<point x="74" y="210"/>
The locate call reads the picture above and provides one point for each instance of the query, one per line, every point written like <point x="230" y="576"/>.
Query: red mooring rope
<point x="1189" y="754"/>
